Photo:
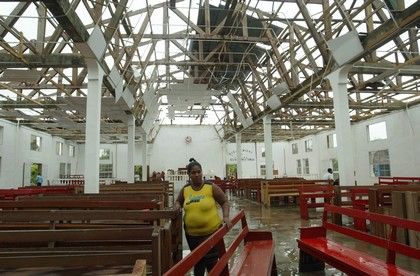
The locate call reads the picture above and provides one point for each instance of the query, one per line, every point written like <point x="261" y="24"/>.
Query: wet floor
<point x="284" y="222"/>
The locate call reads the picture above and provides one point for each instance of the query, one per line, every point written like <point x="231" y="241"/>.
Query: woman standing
<point x="201" y="218"/>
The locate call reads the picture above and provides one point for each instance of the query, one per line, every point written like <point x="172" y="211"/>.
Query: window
<point x="379" y="163"/>
<point x="36" y="143"/>
<point x="306" y="166"/>
<point x="263" y="153"/>
<point x="68" y="168"/>
<point x="334" y="166"/>
<point x="332" y="141"/>
<point x="59" y="148"/>
<point x="294" y="148"/>
<point x="105" y="170"/>
<point x="104" y="154"/>
<point x="377" y="131"/>
<point x="262" y="169"/>
<point x="71" y="151"/>
<point x="308" y="145"/>
<point x="298" y="166"/>
<point x="1" y="134"/>
<point x="62" y="170"/>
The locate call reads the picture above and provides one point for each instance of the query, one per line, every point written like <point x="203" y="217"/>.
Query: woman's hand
<point x="227" y="222"/>
<point x="177" y="206"/>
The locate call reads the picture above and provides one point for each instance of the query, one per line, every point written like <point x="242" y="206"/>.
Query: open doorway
<point x="231" y="171"/>
<point x="36" y="168"/>
<point x="138" y="173"/>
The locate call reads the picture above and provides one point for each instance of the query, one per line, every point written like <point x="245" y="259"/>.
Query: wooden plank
<point x="99" y="259"/>
<point x="84" y="215"/>
<point x="139" y="268"/>
<point x="399" y="210"/>
<point x="413" y="213"/>
<point x="67" y="235"/>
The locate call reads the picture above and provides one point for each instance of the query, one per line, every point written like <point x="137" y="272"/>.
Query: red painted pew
<point x="11" y="194"/>
<point x="312" y="193"/>
<point x="316" y="248"/>
<point x="397" y="180"/>
<point x="256" y="258"/>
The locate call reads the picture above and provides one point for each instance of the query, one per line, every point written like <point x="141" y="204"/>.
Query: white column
<point x="144" y="158"/>
<point x="93" y="125"/>
<point x="130" y="149"/>
<point x="238" y="155"/>
<point x="345" y="149"/>
<point x="268" y="147"/>
<point x="224" y="148"/>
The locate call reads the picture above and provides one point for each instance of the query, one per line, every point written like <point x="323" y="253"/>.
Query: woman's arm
<point x="220" y="198"/>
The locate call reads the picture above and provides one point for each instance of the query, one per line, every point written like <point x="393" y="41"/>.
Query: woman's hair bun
<point x="191" y="160"/>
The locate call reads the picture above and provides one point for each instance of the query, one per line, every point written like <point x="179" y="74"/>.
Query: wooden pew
<point x="250" y="188"/>
<point x="164" y="187"/>
<point x="311" y="193"/>
<point x="285" y="188"/>
<point x="380" y="201"/>
<point x="316" y="248"/>
<point x="38" y="253"/>
<point x="75" y="203"/>
<point x="256" y="258"/>
<point x="92" y="233"/>
<point x="11" y="194"/>
<point x="226" y="185"/>
<point x="398" y="180"/>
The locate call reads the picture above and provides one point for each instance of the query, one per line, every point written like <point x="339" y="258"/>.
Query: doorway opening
<point x="36" y="168"/>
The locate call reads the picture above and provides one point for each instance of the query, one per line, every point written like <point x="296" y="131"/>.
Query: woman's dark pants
<point x="208" y="261"/>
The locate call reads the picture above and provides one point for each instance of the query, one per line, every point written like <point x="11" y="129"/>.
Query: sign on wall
<point x="247" y="155"/>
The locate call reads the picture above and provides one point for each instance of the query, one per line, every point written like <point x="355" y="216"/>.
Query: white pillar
<point x="238" y="155"/>
<point x="345" y="149"/>
<point x="224" y="148"/>
<point x="268" y="147"/>
<point x="93" y="126"/>
<point x="144" y="158"/>
<point x="130" y="149"/>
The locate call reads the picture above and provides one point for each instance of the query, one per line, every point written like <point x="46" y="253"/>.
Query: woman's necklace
<point x="197" y="188"/>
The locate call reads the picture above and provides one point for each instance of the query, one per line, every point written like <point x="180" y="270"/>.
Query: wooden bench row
<point x="397" y="180"/>
<point x="286" y="188"/>
<point x="262" y="190"/>
<point x="164" y="188"/>
<point x="11" y="194"/>
<point x="42" y="238"/>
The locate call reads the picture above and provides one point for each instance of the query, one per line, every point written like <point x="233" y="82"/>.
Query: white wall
<point x="170" y="151"/>
<point x="403" y="144"/>
<point x="17" y="155"/>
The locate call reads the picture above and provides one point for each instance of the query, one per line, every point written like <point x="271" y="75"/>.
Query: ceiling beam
<point x="380" y="36"/>
<point x="36" y="61"/>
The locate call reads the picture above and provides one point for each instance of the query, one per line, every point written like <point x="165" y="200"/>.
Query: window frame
<point x="106" y="173"/>
<point x="72" y="150"/>
<point x="295" y="148"/>
<point x="36" y="139"/>
<point x="306" y="169"/>
<point x="379" y="168"/>
<point x="308" y="145"/>
<point x="298" y="166"/>
<point x="369" y="129"/>
<point x="332" y="144"/>
<point x="59" y="147"/>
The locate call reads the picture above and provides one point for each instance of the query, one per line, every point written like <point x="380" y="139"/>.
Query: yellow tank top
<point x="201" y="217"/>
